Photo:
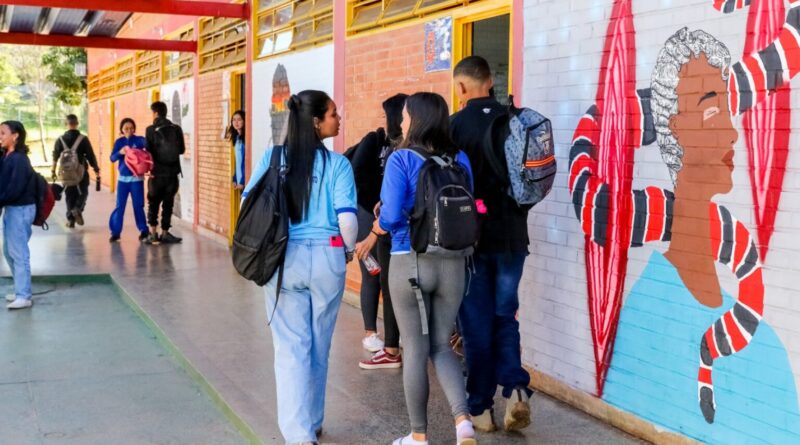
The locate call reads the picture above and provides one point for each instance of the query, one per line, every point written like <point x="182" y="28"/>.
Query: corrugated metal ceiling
<point x="28" y="19"/>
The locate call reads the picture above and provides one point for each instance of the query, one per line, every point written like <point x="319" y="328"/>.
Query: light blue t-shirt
<point x="653" y="371"/>
<point x="333" y="192"/>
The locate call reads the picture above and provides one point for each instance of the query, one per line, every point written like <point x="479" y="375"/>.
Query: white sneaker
<point x="518" y="411"/>
<point x="408" y="440"/>
<point x="372" y="343"/>
<point x="11" y="297"/>
<point x="465" y="434"/>
<point x="19" y="303"/>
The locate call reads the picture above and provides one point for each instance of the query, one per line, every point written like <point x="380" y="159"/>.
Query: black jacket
<point x="16" y="180"/>
<point x="505" y="227"/>
<point x="161" y="168"/>
<point x="85" y="150"/>
<point x="368" y="163"/>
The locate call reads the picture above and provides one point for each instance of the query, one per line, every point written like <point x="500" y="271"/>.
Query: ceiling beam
<point x="23" y="38"/>
<point x="171" y="7"/>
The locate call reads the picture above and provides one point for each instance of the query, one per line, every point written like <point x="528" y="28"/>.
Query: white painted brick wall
<point x="563" y="49"/>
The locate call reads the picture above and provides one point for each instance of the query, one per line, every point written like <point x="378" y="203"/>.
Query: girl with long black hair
<point x="18" y="205"/>
<point x="236" y="136"/>
<point x="321" y="196"/>
<point x="369" y="160"/>
<point x="441" y="278"/>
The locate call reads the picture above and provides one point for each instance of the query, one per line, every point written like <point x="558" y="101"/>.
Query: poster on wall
<point x="274" y="81"/>
<point x="438" y="44"/>
<point x="179" y="97"/>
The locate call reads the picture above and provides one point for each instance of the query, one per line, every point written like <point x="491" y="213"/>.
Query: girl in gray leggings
<point x="441" y="279"/>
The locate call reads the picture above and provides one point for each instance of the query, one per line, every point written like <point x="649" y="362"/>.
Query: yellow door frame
<point x="462" y="41"/>
<point x="236" y="102"/>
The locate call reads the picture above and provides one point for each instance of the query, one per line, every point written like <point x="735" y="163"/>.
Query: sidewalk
<point x="217" y="320"/>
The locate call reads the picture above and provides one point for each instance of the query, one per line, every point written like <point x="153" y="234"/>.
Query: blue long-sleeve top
<point x="238" y="162"/>
<point x="398" y="193"/>
<point x="16" y="187"/>
<point x="135" y="142"/>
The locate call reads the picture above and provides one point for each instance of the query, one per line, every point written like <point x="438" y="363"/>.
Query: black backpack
<point x="445" y="218"/>
<point x="262" y="230"/>
<point x="168" y="144"/>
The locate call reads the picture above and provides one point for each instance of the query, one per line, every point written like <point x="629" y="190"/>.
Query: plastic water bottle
<point x="372" y="265"/>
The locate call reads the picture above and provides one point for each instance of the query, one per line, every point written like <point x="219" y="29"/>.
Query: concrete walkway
<point x="217" y="321"/>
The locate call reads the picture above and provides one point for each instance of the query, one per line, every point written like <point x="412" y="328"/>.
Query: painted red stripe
<point x="759" y="84"/>
<point x="581" y="162"/>
<point x="737" y="339"/>
<point x="718" y="4"/>
<point x="751" y="291"/>
<point x="704" y="376"/>
<point x="716" y="229"/>
<point x="792" y="50"/>
<point x="657" y="218"/>
<point x="733" y="94"/>
<point x="742" y="243"/>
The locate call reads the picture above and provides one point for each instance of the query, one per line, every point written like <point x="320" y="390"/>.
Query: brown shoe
<point x="518" y="411"/>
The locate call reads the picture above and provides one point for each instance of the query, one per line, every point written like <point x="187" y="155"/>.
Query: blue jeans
<point x="302" y="330"/>
<point x="136" y="191"/>
<point x="17" y="230"/>
<point x="491" y="331"/>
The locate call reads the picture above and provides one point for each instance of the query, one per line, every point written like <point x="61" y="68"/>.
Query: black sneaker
<point x="70" y="224"/>
<point x="168" y="238"/>
<point x="152" y="239"/>
<point x="143" y="236"/>
<point x="113" y="239"/>
<point x="78" y="216"/>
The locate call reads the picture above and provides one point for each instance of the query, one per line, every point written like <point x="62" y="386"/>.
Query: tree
<point x="8" y="81"/>
<point x="27" y="62"/>
<point x="70" y="88"/>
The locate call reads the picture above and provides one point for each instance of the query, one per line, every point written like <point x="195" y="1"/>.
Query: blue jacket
<point x="132" y="142"/>
<point x="398" y="193"/>
<point x="16" y="187"/>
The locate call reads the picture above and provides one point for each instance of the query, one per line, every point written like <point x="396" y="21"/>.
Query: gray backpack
<point x="525" y="139"/>
<point x="70" y="168"/>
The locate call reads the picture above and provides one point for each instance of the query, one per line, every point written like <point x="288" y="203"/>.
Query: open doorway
<point x="488" y="36"/>
<point x="238" y="101"/>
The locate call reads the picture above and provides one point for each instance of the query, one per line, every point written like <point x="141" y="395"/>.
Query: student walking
<point x="369" y="160"/>
<point x="74" y="152"/>
<point x="440" y="278"/>
<point x="165" y="142"/>
<point x="18" y="206"/>
<point x="321" y="196"/>
<point x="487" y="318"/>
<point x="128" y="183"/>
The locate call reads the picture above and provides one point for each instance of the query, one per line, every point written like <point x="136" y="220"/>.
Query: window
<point x="222" y="43"/>
<point x="107" y="82"/>
<point x="368" y="14"/>
<point x="148" y="69"/>
<point x="287" y="25"/>
<point x="93" y="86"/>
<point x="124" y="76"/>
<point x="179" y="65"/>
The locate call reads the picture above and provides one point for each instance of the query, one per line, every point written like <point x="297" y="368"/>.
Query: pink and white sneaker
<point x="382" y="360"/>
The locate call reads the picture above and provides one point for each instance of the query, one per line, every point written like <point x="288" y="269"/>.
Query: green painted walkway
<point x="83" y="368"/>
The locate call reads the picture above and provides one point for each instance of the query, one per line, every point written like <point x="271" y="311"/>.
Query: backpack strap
<point x="75" y="144"/>
<point x="413" y="279"/>
<point x="275" y="162"/>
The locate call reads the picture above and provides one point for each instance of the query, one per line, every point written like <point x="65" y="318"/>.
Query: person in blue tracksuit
<point x="128" y="183"/>
<point x="18" y="207"/>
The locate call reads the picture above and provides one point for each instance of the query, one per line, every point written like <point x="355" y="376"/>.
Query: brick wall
<point x="379" y="66"/>
<point x="213" y="154"/>
<point x="563" y="52"/>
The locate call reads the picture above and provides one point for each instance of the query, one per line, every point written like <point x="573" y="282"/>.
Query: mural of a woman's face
<point x="704" y="129"/>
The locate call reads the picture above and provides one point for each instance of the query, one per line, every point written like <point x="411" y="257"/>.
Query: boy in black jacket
<point x="165" y="142"/>
<point x="488" y="313"/>
<point x="76" y="195"/>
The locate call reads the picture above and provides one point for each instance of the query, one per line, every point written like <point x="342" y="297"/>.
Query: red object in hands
<point x="140" y="162"/>
<point x="481" y="207"/>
